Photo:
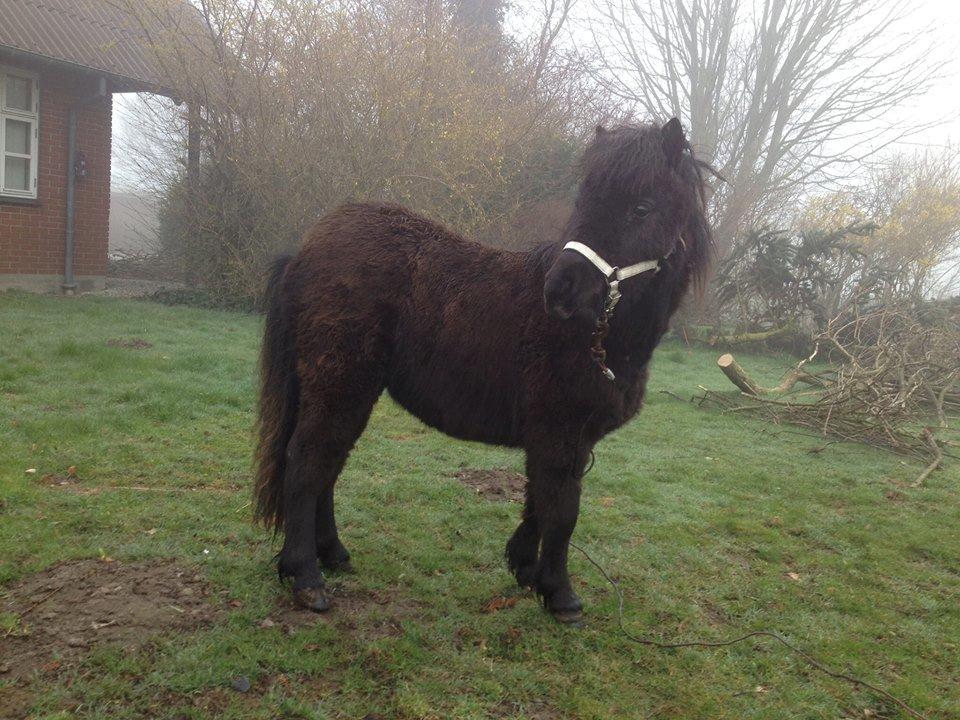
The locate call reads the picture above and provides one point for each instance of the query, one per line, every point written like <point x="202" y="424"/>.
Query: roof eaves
<point x="121" y="83"/>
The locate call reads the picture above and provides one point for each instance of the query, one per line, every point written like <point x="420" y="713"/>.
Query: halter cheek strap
<point x="613" y="276"/>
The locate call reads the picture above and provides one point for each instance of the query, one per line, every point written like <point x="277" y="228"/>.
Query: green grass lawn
<point x="714" y="525"/>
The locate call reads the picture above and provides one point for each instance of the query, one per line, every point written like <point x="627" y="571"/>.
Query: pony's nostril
<point x="555" y="302"/>
<point x="565" y="294"/>
<point x="559" y="310"/>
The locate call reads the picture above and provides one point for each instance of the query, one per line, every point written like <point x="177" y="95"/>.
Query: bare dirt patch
<point x="60" y="614"/>
<point x="715" y="614"/>
<point x="15" y="702"/>
<point x="70" y="481"/>
<point x="494" y="484"/>
<point x="57" y="480"/>
<point x="374" y="614"/>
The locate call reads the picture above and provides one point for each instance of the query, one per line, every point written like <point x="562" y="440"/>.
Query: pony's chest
<point x="622" y="399"/>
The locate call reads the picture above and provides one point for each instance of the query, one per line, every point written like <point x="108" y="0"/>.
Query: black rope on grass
<point x="732" y="641"/>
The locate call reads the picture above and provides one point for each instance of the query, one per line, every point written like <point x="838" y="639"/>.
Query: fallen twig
<point x="675" y="396"/>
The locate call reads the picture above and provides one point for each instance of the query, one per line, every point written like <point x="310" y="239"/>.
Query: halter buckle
<point x="613" y="292"/>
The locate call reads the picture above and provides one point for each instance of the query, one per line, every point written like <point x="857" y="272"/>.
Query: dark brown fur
<point x="470" y="340"/>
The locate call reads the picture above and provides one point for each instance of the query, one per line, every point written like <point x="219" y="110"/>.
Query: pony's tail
<point x="279" y="400"/>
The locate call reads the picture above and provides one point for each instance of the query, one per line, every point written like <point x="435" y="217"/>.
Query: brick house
<point x="60" y="63"/>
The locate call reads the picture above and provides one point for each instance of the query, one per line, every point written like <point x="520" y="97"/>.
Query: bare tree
<point x="781" y="94"/>
<point x="480" y="15"/>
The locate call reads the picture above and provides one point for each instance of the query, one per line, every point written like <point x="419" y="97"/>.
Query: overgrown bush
<point x="777" y="282"/>
<point x="305" y="105"/>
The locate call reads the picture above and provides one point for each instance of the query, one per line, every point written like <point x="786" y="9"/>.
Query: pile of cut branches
<point x="893" y="381"/>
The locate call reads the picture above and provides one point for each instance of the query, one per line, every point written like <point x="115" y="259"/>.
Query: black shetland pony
<point x="515" y="349"/>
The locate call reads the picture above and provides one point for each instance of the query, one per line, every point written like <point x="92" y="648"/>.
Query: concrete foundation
<point x="50" y="283"/>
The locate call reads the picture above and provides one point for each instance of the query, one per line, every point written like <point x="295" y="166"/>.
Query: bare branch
<point x="780" y="95"/>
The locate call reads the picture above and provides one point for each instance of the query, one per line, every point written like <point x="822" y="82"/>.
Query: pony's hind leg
<point x="298" y="558"/>
<point x="333" y="413"/>
<point x="331" y="551"/>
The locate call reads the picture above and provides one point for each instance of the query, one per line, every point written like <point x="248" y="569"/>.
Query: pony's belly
<point x="461" y="412"/>
<point x="456" y="371"/>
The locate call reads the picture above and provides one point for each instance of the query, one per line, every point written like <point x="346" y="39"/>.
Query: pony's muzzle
<point x="572" y="289"/>
<point x="556" y="302"/>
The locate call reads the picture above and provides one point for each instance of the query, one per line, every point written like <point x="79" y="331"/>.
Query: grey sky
<point x="943" y="99"/>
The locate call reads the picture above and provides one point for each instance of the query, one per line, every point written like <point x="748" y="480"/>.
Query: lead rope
<point x="596" y="348"/>
<point x="599" y="355"/>
<point x="662" y="645"/>
<point x="602" y="329"/>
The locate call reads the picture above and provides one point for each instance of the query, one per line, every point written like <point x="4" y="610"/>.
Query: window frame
<point x="32" y="117"/>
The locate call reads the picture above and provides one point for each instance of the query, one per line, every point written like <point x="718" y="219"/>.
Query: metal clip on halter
<point x="596" y="348"/>
<point x="613" y="292"/>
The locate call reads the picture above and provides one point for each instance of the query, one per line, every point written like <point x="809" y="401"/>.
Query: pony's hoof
<point x="569" y="617"/>
<point x="312" y="598"/>
<point x="345" y="567"/>
<point x="566" y="607"/>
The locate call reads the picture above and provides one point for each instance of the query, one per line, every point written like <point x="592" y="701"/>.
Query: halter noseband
<point x="612" y="275"/>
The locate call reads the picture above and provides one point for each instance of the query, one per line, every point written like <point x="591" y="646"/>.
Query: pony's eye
<point x="642" y="210"/>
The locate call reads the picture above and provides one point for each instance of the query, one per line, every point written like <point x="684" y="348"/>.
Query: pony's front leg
<point x="554" y="478"/>
<point x="524" y="545"/>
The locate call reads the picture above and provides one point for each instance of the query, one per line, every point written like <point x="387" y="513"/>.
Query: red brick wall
<point x="32" y="237"/>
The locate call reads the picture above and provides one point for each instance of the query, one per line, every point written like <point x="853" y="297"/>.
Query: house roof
<point x="106" y="36"/>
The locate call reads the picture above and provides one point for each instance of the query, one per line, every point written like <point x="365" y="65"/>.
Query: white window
<point x="19" y="116"/>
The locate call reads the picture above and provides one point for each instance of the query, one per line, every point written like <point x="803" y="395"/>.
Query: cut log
<point x="737" y="375"/>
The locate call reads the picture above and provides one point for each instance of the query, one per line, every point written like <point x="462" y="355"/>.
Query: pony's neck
<point x="643" y="315"/>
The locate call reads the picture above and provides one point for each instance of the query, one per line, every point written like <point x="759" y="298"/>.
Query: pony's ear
<point x="671" y="135"/>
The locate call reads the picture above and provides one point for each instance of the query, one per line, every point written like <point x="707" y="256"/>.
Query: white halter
<point x="613" y="275"/>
